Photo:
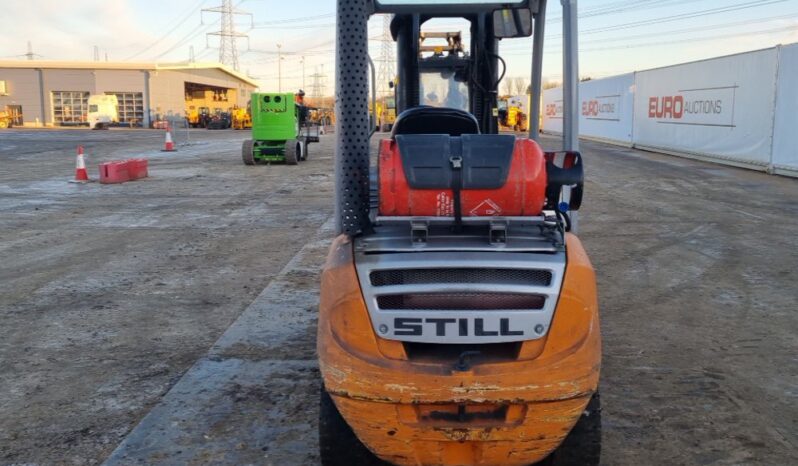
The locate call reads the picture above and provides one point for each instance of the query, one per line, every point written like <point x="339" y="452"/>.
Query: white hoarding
<point x="607" y="108"/>
<point x="720" y="108"/>
<point x="552" y="110"/>
<point x="785" y="142"/>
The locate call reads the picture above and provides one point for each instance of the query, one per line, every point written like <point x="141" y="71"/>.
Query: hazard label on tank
<point x="486" y="208"/>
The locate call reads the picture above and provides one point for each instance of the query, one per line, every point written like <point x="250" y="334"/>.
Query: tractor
<point x="458" y="315"/>
<point x="280" y="130"/>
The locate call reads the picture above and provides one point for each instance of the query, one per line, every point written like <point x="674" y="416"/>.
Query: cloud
<point x="68" y="30"/>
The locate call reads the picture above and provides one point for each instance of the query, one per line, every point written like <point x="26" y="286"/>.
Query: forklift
<point x="281" y="131"/>
<point x="458" y="316"/>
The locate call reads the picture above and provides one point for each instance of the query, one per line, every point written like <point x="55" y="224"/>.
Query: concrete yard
<point x="172" y="320"/>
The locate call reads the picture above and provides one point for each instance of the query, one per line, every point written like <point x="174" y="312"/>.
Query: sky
<point x="616" y="36"/>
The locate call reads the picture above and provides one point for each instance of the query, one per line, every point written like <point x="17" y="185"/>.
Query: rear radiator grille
<point x="524" y="277"/>
<point x="461" y="301"/>
<point x="460" y="297"/>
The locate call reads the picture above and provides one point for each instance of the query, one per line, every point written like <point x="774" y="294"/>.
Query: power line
<point x="746" y="22"/>
<point x="630" y="6"/>
<point x="305" y="51"/>
<point x="190" y="11"/>
<point x="303" y="26"/>
<point x="194" y="33"/>
<point x="690" y="40"/>
<point x="667" y="19"/>
<point x="675" y="31"/>
<point x="228" y="49"/>
<point x="670" y="42"/>
<point x="263" y="24"/>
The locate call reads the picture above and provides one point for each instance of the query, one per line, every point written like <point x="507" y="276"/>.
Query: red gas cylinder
<point x="523" y="193"/>
<point x="114" y="172"/>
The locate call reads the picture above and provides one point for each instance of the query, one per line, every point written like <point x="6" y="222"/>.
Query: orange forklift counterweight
<point x="423" y="411"/>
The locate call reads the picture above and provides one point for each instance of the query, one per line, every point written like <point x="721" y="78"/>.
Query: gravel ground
<point x="110" y="294"/>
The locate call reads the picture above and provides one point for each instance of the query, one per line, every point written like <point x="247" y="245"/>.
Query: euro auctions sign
<point x="602" y="108"/>
<point x="554" y="110"/>
<point x="697" y="107"/>
<point x="720" y="108"/>
<point x="606" y="108"/>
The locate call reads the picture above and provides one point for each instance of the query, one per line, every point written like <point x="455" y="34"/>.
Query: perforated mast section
<point x="352" y="117"/>
<point x="570" y="63"/>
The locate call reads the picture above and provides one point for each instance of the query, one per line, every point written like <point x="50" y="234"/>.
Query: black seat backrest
<point x="427" y="164"/>
<point x="435" y="120"/>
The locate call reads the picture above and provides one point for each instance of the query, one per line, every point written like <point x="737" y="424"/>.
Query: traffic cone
<point x="169" y="145"/>
<point x="81" y="175"/>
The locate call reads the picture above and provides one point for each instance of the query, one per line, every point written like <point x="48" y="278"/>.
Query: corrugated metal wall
<point x="64" y="80"/>
<point x="23" y="89"/>
<point x="166" y="88"/>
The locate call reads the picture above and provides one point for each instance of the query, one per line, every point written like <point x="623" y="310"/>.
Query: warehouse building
<point x="47" y="93"/>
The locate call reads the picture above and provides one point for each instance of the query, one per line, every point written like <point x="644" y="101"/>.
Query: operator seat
<point x="435" y="120"/>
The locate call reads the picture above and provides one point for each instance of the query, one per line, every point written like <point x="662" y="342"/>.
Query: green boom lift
<point x="280" y="132"/>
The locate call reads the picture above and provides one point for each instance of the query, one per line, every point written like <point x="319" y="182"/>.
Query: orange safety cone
<point x="81" y="175"/>
<point x="169" y="145"/>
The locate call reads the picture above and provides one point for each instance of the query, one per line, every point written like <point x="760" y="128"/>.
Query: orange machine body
<point x="421" y="411"/>
<point x="524" y="193"/>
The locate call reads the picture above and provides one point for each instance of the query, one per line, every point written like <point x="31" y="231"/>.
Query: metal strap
<point x="457" y="186"/>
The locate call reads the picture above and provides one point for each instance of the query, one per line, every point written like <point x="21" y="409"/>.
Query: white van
<point x="102" y="111"/>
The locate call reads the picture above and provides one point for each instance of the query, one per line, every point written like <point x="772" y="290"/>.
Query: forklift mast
<point x="480" y="71"/>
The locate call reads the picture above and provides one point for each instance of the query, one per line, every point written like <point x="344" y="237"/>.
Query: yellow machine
<point x="386" y="113"/>
<point x="192" y="116"/>
<point x="195" y="116"/>
<point x="322" y="116"/>
<point x="202" y="104"/>
<point x="242" y="118"/>
<point x="5" y="120"/>
<point x="512" y="116"/>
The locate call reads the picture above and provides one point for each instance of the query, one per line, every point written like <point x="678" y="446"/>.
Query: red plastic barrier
<point x="137" y="169"/>
<point x="114" y="172"/>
